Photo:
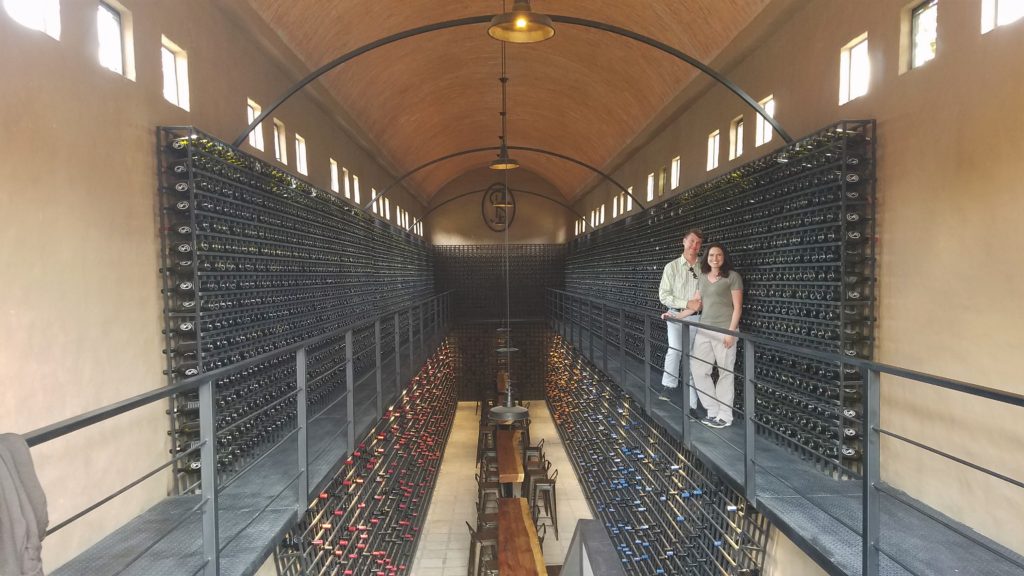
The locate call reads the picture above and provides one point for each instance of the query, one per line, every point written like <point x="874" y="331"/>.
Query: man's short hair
<point x="696" y="232"/>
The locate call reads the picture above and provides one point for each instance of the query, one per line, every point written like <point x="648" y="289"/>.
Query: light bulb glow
<point x="521" y="23"/>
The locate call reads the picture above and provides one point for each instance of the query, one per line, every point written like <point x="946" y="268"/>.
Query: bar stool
<point x="487" y="490"/>
<point x="535" y="453"/>
<point x="485" y="440"/>
<point x="544" y="489"/>
<point x="485" y="519"/>
<point x="534" y="474"/>
<point x="481" y="541"/>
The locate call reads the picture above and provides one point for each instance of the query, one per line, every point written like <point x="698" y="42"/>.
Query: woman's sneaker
<point x="714" y="422"/>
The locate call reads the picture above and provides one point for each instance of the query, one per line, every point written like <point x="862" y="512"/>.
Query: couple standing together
<point x="705" y="290"/>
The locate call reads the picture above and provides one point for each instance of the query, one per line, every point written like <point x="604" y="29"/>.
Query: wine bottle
<point x="185" y="370"/>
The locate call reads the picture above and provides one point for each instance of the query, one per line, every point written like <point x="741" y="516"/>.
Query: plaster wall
<point x="952" y="284"/>
<point x="541" y="218"/>
<point x="81" y="312"/>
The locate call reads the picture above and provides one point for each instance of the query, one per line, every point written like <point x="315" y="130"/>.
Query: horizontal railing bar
<point x="965" y="387"/>
<point x="125" y="488"/>
<point x="68" y="425"/>
<point x="956" y="459"/>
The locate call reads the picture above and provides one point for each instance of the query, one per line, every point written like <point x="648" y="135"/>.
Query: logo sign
<point x="498" y="207"/>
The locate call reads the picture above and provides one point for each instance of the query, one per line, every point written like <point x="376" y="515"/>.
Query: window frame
<point x="714" y="149"/>
<point x="335" y="181"/>
<point x="280" y="134"/>
<point x="650" y="187"/>
<point x="252" y="112"/>
<point x="180" y="68"/>
<point x="990" y="15"/>
<point x="674" y="173"/>
<point x="36" y="15"/>
<point x="301" y="163"/>
<point x="916" y="11"/>
<point x="736" y="132"/>
<point x="848" y="63"/>
<point x="763" y="129"/>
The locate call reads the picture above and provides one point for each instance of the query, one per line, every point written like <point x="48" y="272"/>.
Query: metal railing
<point x="434" y="316"/>
<point x="574" y="316"/>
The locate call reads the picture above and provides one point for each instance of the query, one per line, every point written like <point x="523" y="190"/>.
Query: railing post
<point x="350" y="379"/>
<point x="412" y="362"/>
<point x="590" y="329"/>
<point x="749" y="484"/>
<point x="302" y="417"/>
<point x="872" y="473"/>
<point x="398" y="355"/>
<point x="647" y="363"/>
<point x="622" y="346"/>
<point x="208" y="482"/>
<point x="378" y="366"/>
<point x="604" y="339"/>
<point x="684" y="383"/>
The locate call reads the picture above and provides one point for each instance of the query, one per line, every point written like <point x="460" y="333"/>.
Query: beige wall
<point x="784" y="558"/>
<point x="949" y="199"/>
<point x="540" y="219"/>
<point x="81" y="310"/>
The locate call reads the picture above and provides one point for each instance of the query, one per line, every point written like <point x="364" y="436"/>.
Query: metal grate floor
<point x="820" y="514"/>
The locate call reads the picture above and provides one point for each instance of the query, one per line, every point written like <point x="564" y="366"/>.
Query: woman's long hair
<point x="726" y="261"/>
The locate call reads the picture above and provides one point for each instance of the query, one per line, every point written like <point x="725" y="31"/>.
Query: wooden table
<point x="510" y="459"/>
<point x="519" y="552"/>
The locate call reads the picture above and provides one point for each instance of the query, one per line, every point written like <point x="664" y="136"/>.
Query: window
<point x="355" y="189"/>
<point x="713" y="143"/>
<point x="615" y="207"/>
<point x="300" y="155"/>
<point x="114" y="32"/>
<point x="650" y="186"/>
<point x="174" y="63"/>
<point x="348" y="187"/>
<point x="854" y="69"/>
<point x="335" y="184"/>
<point x="924" y="32"/>
<point x="280" y="142"/>
<point x="374" y="201"/>
<point x="602" y="213"/>
<point x="662" y="180"/>
<point x="674" y="183"/>
<point x="736" y="138"/>
<point x="41" y="15"/>
<point x="252" y="111"/>
<point x="387" y="208"/>
<point x="995" y="13"/>
<point x="629" y="199"/>
<point x="763" y="129"/>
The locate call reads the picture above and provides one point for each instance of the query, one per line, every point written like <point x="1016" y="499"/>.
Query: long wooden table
<point x="519" y="552"/>
<point x="510" y="459"/>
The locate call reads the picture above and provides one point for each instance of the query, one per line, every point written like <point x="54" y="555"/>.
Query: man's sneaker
<point x="695" y="414"/>
<point x="715" y="422"/>
<point x="663" y="395"/>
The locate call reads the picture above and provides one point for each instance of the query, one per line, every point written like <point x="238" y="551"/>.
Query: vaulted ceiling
<point x="584" y="93"/>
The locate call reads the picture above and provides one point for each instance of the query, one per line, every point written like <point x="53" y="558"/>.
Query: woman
<point x="721" y="293"/>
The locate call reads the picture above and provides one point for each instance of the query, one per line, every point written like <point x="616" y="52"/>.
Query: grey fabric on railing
<point x="23" y="516"/>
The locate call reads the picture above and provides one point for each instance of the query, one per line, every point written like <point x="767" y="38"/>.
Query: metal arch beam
<point x="595" y="24"/>
<point x="430" y="163"/>
<point x="516" y="190"/>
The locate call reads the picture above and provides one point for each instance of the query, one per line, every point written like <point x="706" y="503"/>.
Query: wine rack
<point x="256" y="260"/>
<point x="475" y="346"/>
<point x="664" y="510"/>
<point x="367" y="519"/>
<point x="799" y="226"/>
<point x="477" y="275"/>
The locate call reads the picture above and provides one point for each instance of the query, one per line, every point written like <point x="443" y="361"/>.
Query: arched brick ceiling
<point x="584" y="93"/>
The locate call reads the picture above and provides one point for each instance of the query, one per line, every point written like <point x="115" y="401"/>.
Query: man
<point x="678" y="292"/>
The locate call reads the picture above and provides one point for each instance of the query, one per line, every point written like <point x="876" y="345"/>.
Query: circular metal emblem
<point x="498" y="207"/>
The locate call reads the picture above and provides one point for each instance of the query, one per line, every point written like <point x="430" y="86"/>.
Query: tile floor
<point x="444" y="545"/>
